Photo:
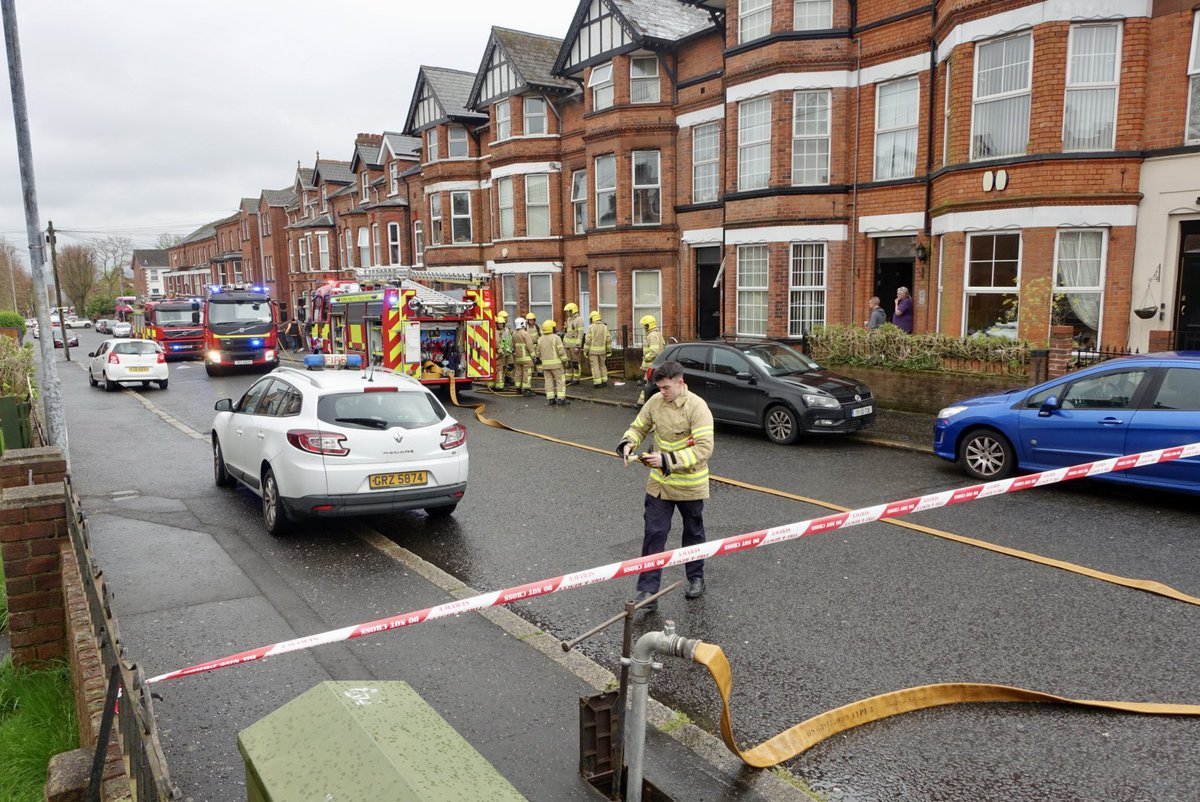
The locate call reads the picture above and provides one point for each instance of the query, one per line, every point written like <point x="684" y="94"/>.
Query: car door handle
<point x="239" y="432"/>
<point x="261" y="435"/>
<point x="1110" y="421"/>
<point x="711" y="384"/>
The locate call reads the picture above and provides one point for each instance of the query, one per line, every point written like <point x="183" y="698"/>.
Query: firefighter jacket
<point x="573" y="332"/>
<point x="653" y="346"/>
<point x="504" y="341"/>
<point x="523" y="347"/>
<point x="599" y="341"/>
<point x="683" y="434"/>
<point x="550" y="350"/>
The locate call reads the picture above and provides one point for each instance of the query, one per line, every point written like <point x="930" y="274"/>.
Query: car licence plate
<point x="383" y="481"/>
<point x="243" y="361"/>
<point x="858" y="413"/>
<point x="139" y="370"/>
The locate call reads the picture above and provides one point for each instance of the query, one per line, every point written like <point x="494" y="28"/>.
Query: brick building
<point x="150" y="267"/>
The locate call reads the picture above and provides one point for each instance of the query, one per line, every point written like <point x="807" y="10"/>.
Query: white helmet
<point x="519" y="323"/>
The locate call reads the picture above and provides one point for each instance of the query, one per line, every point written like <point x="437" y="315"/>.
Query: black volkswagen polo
<point x="772" y="386"/>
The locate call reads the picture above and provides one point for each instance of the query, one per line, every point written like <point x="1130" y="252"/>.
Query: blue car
<point x="1122" y="406"/>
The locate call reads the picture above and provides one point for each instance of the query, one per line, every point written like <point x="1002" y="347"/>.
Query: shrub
<point x="16" y="368"/>
<point x="101" y="307"/>
<point x="11" y="320"/>
<point x="889" y="347"/>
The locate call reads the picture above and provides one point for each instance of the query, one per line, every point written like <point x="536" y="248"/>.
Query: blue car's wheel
<point x="986" y="454"/>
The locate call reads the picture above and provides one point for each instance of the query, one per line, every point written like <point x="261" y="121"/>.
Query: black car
<point x="72" y="339"/>
<point x="772" y="386"/>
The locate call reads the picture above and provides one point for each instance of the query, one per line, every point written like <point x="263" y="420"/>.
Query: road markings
<point x="166" y="417"/>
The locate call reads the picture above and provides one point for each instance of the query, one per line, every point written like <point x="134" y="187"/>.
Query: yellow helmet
<point x="530" y="316"/>
<point x="648" y="322"/>
<point x="502" y="316"/>
<point x="594" y="316"/>
<point x="548" y="327"/>
<point x="570" y="309"/>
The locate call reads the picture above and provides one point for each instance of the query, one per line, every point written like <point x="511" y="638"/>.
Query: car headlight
<point x="950" y="412"/>
<point x="821" y="401"/>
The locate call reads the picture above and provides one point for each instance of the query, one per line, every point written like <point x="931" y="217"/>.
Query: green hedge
<point x="890" y="347"/>
<point x="11" y="320"/>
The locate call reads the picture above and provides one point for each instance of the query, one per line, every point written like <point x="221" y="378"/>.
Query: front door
<point x="708" y="295"/>
<point x="894" y="260"/>
<point x="1187" y="310"/>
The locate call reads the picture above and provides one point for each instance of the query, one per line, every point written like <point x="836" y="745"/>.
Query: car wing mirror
<point x="93" y="353"/>
<point x="745" y="376"/>
<point x="224" y="405"/>
<point x="1048" y="406"/>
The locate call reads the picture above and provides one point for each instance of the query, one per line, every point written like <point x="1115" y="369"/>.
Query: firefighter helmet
<point x="502" y="316"/>
<point x="594" y="316"/>
<point x="530" y="316"/>
<point x="548" y="327"/>
<point x="649" y="323"/>
<point x="571" y="309"/>
<point x="519" y="323"/>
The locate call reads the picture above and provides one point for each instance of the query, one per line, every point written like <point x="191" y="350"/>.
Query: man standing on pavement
<point x="683" y="441"/>
<point x="552" y="354"/>
<point x="523" y="358"/>
<point x="573" y="342"/>
<point x="651" y="348"/>
<point x="598" y="346"/>
<point x="504" y="349"/>
<point x="878" y="316"/>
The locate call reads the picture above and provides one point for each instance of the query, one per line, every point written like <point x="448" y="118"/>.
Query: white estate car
<point x="335" y="443"/>
<point x="119" y="361"/>
<point x="120" y="328"/>
<point x="78" y="323"/>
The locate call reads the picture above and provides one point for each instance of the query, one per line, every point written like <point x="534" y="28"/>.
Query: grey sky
<point x="160" y="115"/>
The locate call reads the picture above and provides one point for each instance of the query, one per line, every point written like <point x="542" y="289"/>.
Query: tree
<point x="101" y="306"/>
<point x="167" y="240"/>
<point x="112" y="255"/>
<point x="78" y="272"/>
<point x="16" y="286"/>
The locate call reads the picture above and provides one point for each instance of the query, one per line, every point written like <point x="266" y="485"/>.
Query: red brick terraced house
<point x="149" y="270"/>
<point x="273" y="245"/>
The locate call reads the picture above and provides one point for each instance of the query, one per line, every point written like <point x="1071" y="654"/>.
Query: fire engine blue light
<point x="353" y="361"/>
<point x="256" y="342"/>
<point x="258" y="289"/>
<point x="314" y="361"/>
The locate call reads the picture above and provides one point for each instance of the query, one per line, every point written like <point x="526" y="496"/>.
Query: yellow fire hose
<point x="803" y="736"/>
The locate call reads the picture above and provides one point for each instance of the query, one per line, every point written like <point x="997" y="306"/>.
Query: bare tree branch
<point x="77" y="270"/>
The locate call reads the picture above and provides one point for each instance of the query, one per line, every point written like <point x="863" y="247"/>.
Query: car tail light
<point x="453" y="436"/>
<point x="162" y="357"/>
<point x="112" y="359"/>
<point x="381" y="389"/>
<point x="314" y="442"/>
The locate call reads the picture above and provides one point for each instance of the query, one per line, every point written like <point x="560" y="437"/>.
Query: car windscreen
<point x="777" y="359"/>
<point x="239" y="312"/>
<point x="135" y="348"/>
<point x="167" y="317"/>
<point x="407" y="410"/>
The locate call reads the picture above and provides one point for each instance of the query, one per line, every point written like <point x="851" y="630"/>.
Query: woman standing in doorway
<point x="902" y="315"/>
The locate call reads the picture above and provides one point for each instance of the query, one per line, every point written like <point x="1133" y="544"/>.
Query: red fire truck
<point x="174" y="323"/>
<point x="391" y="317"/>
<point x="239" y="330"/>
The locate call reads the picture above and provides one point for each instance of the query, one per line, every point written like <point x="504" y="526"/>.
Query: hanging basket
<point x="1146" y="312"/>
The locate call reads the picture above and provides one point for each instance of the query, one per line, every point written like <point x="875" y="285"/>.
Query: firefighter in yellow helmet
<point x="522" y="358"/>
<point x="652" y="346"/>
<point x="551" y="352"/>
<point x="573" y="341"/>
<point x="598" y="345"/>
<point x="504" y="349"/>
<point x="532" y="325"/>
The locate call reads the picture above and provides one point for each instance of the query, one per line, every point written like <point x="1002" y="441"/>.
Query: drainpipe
<point x="929" y="159"/>
<point x="642" y="664"/>
<point x="852" y="233"/>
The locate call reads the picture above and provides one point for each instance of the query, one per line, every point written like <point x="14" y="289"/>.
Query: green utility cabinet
<point x="15" y="423"/>
<point x="364" y="742"/>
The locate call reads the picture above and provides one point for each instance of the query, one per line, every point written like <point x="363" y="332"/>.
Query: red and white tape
<point x="665" y="559"/>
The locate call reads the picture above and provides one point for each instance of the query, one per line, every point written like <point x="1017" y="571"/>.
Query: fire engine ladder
<point x="398" y="274"/>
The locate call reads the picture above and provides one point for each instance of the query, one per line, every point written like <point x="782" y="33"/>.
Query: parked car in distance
<point x="337" y="443"/>
<point x="772" y="386"/>
<point x="118" y="362"/>
<point x="120" y="328"/>
<point x="1122" y="406"/>
<point x="78" y="323"/>
<point x="102" y="326"/>
<point x="72" y="339"/>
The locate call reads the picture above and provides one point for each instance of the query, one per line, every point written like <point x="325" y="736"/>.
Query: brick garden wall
<point x="926" y="391"/>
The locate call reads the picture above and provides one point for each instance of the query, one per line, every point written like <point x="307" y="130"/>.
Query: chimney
<point x="369" y="139"/>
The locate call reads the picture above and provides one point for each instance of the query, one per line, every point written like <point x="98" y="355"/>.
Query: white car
<point x="121" y="328"/>
<point x="338" y="443"/>
<point x="78" y="323"/>
<point x="119" y="361"/>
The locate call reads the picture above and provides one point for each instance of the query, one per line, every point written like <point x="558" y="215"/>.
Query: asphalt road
<point x="808" y="625"/>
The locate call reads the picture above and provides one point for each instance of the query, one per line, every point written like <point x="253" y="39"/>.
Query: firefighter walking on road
<point x="504" y="349"/>
<point x="651" y="348"/>
<point x="599" y="347"/>
<point x="522" y="358"/>
<point x="552" y="354"/>
<point x="573" y="342"/>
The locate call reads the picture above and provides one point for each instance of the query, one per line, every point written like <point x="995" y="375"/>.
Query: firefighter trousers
<point x="523" y="375"/>
<point x="574" y="368"/>
<point x="502" y="363"/>
<point x="555" y="382"/>
<point x="599" y="368"/>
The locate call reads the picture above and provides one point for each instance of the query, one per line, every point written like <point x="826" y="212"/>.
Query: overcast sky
<point x="160" y="115"/>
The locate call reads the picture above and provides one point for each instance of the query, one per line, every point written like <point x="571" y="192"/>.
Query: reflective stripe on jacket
<point x="573" y="332"/>
<point x="599" y="341"/>
<point x="653" y="346"/>
<point x="523" y="347"/>
<point x="683" y="433"/>
<point x="550" y="350"/>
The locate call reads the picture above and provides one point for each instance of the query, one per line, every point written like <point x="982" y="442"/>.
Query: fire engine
<point x="174" y="324"/>
<point x="239" y="329"/>
<point x="392" y="318"/>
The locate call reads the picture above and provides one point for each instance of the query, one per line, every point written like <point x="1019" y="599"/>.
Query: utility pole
<point x="58" y="290"/>
<point x="56" y="426"/>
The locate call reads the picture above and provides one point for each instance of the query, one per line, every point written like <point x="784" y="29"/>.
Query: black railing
<point x="1082" y="357"/>
<point x="145" y="763"/>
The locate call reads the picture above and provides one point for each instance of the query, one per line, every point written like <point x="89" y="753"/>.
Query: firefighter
<point x="651" y="348"/>
<point x="504" y="349"/>
<point x="531" y="325"/>
<point x="551" y="352"/>
<point x="523" y="358"/>
<point x="599" y="347"/>
<point x="573" y="341"/>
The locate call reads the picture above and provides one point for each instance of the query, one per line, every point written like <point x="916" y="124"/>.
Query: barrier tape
<point x="702" y="551"/>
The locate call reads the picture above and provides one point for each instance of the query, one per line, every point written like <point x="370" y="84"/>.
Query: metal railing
<point x="1085" y="356"/>
<point x="145" y="763"/>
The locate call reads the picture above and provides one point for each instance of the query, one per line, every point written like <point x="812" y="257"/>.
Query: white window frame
<point x="323" y="250"/>
<point x="394" y="178"/>
<point x="1191" y="129"/>
<point x="706" y="157"/>
<point x="805" y="175"/>
<point x="798" y="324"/>
<point x="579" y="200"/>
<point x="453" y="138"/>
<point x="600" y="81"/>
<point x="364" y="246"/>
<point x="970" y="289"/>
<point x="528" y="120"/>
<point x="753" y="20"/>
<point x="376" y="245"/>
<point x="1097" y="289"/>
<point x="324" y="198"/>
<point x="758" y="293"/>
<point x="531" y="180"/>
<point x="824" y="17"/>
<point x="754" y="151"/>
<point x="542" y="307"/>
<point x="503" y="121"/>
<point x="646" y="212"/>
<point x="946" y="116"/>
<point x="889" y="170"/>
<point x="456" y="218"/>
<point x="348" y="239"/>
<point x="418" y="243"/>
<point x="642" y="309"/>
<point x="393" y="230"/>
<point x="507" y="230"/>
<point x="649" y="83"/>
<point x="1113" y="86"/>
<point x="978" y="101"/>
<point x="606" y="299"/>
<point x="303" y="255"/>
<point x="365" y="181"/>
<point x="606" y="190"/>
<point x="585" y="294"/>
<point x="435" y="220"/>
<point x="508" y="288"/>
<point x="431" y="147"/>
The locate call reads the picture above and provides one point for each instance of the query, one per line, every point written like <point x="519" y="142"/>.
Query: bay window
<point x="706" y="142"/>
<point x="992" y="298"/>
<point x="1079" y="284"/>
<point x="503" y="120"/>
<point x="535" y="116"/>
<point x="896" y="110"/>
<point x="504" y="195"/>
<point x="537" y="205"/>
<point x="1000" y="113"/>
<point x="1093" y="75"/>
<point x="457" y="144"/>
<point x="647" y="191"/>
<point x="643" y="79"/>
<point x="606" y="300"/>
<point x="606" y="191"/>
<point x="752" y="263"/>
<point x="754" y="143"/>
<point x="460" y="217"/>
<point x="806" y="288"/>
<point x="435" y="219"/>
<point x="647" y="300"/>
<point x="579" y="200"/>
<point x="753" y="20"/>
<point x="601" y="84"/>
